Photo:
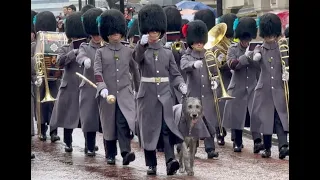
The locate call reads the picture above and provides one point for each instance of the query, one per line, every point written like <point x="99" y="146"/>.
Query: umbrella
<point x="194" y="5"/>
<point x="189" y="17"/>
<point x="160" y="2"/>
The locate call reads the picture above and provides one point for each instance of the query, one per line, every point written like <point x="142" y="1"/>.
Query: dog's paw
<point x="181" y="170"/>
<point x="190" y="173"/>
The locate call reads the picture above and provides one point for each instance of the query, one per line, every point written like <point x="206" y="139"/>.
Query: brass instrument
<point x="284" y="53"/>
<point x="111" y="99"/>
<point x="177" y="45"/>
<point x="217" y="38"/>
<point x="215" y="35"/>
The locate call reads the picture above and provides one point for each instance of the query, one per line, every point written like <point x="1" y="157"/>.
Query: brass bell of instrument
<point x="176" y="46"/>
<point x="111" y="99"/>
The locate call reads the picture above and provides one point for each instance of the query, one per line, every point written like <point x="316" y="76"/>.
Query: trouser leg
<point x="150" y="158"/>
<point x="67" y="136"/>
<point x="90" y="140"/>
<point x="168" y="146"/>
<point x="282" y="135"/>
<point x="111" y="148"/>
<point x="123" y="132"/>
<point x="238" y="137"/>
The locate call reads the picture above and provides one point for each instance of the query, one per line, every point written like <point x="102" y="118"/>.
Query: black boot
<point x="257" y="147"/>
<point x="68" y="148"/>
<point x="266" y="153"/>
<point x="172" y="167"/>
<point x="237" y="148"/>
<point x="283" y="152"/>
<point x="54" y="136"/>
<point x="43" y="136"/>
<point x="152" y="170"/>
<point x="220" y="140"/>
<point x="160" y="150"/>
<point x="212" y="154"/>
<point x="111" y="160"/>
<point x="32" y="156"/>
<point x="129" y="157"/>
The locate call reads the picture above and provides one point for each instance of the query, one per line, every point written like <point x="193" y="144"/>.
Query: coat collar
<point x="270" y="46"/>
<point x="115" y="46"/>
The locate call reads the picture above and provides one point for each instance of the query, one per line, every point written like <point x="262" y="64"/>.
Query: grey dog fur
<point x="187" y="150"/>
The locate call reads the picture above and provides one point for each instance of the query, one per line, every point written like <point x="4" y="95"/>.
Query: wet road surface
<point x="52" y="163"/>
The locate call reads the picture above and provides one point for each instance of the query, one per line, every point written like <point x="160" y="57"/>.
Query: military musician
<point x="46" y="21"/>
<point x="270" y="104"/>
<point x="66" y="110"/>
<point x="244" y="80"/>
<point x="112" y="66"/>
<point x="89" y="112"/>
<point x="154" y="99"/>
<point x="199" y="85"/>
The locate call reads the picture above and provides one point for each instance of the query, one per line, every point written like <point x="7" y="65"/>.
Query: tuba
<point x="284" y="53"/>
<point x="216" y="37"/>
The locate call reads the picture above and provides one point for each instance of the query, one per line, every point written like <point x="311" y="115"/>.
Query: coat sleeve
<point x="33" y="70"/>
<point x="138" y="53"/>
<point x="174" y="73"/>
<point x="98" y="72"/>
<point x="82" y="54"/>
<point x="65" y="57"/>
<point x="185" y="64"/>
<point x="134" y="69"/>
<point x="236" y="63"/>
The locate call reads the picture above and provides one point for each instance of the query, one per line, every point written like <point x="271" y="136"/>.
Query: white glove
<point x="285" y="76"/>
<point x="257" y="57"/>
<point x="198" y="64"/>
<point x="168" y="45"/>
<point x="144" y="39"/>
<point x="104" y="93"/>
<point x="87" y="63"/>
<point x="221" y="57"/>
<point x="214" y="85"/>
<point x="183" y="88"/>
<point x="75" y="51"/>
<point x="248" y="53"/>
<point x="38" y="82"/>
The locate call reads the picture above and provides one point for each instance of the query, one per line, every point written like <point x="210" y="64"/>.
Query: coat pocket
<point x="141" y="93"/>
<point x="259" y="86"/>
<point x="63" y="84"/>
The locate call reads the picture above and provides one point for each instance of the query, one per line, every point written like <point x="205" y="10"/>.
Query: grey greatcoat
<point x="66" y="110"/>
<point x="199" y="85"/>
<point x="154" y="100"/>
<point x="199" y="130"/>
<point x="113" y="63"/>
<point x="243" y="82"/>
<point x="269" y="92"/>
<point x="33" y="93"/>
<point x="88" y="104"/>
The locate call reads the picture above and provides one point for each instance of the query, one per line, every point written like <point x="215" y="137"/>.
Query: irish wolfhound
<point x="188" y="117"/>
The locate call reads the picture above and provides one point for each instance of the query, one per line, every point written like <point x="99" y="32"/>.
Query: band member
<point x="225" y="72"/>
<point x="66" y="110"/>
<point x="46" y="21"/>
<point x="89" y="112"/>
<point x="199" y="85"/>
<point x="269" y="110"/>
<point x="173" y="35"/>
<point x="112" y="66"/>
<point x="244" y="80"/>
<point x="154" y="99"/>
<point x="86" y="8"/>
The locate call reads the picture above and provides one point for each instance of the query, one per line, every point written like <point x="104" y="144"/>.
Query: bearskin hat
<point x="45" y="21"/>
<point x="286" y="32"/>
<point x="207" y="16"/>
<point x="111" y="22"/>
<point x="89" y="21"/>
<point x="134" y="30"/>
<point x="73" y="26"/>
<point x="33" y="13"/>
<point x="228" y="19"/>
<point x="196" y="31"/>
<point x="152" y="18"/>
<point x="86" y="8"/>
<point x="246" y="28"/>
<point x="270" y="25"/>
<point x="174" y="21"/>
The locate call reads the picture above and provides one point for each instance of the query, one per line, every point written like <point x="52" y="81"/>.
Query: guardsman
<point x="66" y="110"/>
<point x="244" y="79"/>
<point x="112" y="66"/>
<point x="194" y="64"/>
<point x="225" y="72"/>
<point x="46" y="21"/>
<point x="89" y="112"/>
<point x="154" y="99"/>
<point x="86" y="8"/>
<point x="269" y="111"/>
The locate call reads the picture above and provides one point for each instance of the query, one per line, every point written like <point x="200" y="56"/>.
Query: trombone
<point x="40" y="68"/>
<point x="284" y="53"/>
<point x="217" y="37"/>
